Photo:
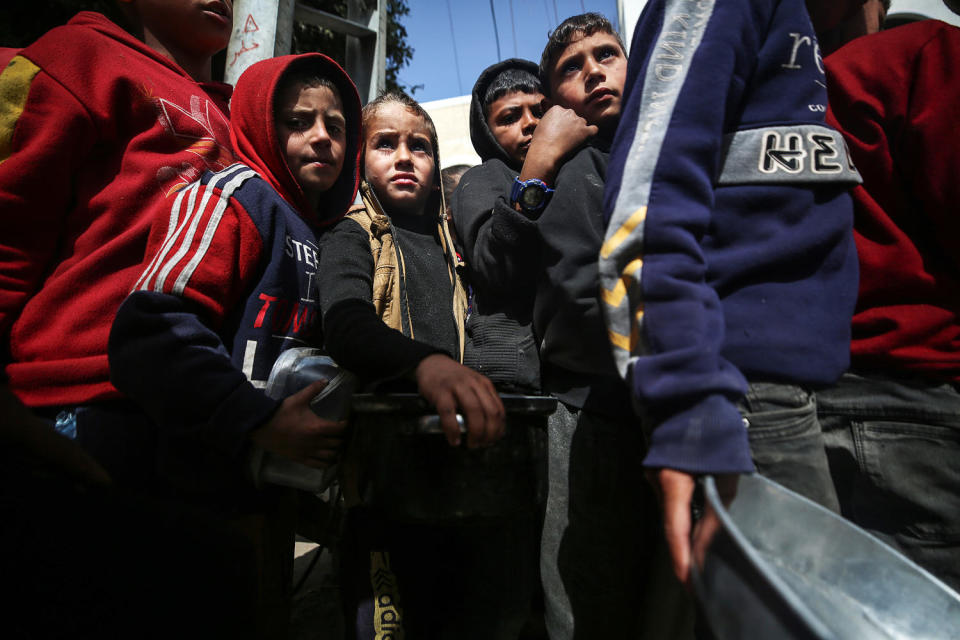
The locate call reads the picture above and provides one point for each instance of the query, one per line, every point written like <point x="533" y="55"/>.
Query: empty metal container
<point x="783" y="567"/>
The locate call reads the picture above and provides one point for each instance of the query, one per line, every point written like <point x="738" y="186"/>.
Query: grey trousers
<point x="603" y="562"/>
<point x="894" y="451"/>
<point x="786" y="439"/>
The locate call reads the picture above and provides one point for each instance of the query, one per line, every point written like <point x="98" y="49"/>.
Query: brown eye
<point x="606" y="52"/>
<point x="296" y="124"/>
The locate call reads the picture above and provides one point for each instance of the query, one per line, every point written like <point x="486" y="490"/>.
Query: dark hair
<point x="508" y="81"/>
<point x="570" y="30"/>
<point x="451" y="178"/>
<point x="398" y="97"/>
<point x="305" y="75"/>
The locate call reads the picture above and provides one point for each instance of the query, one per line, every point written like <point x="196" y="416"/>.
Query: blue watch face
<point x="532" y="196"/>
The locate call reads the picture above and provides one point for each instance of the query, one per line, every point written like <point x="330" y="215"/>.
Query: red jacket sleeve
<point x="45" y="134"/>
<point x="166" y="350"/>
<point x="204" y="249"/>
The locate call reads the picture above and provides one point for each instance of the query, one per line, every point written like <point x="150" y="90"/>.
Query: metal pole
<point x="262" y="29"/>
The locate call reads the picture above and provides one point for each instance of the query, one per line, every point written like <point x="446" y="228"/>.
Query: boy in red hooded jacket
<point x="99" y="127"/>
<point x="230" y="275"/>
<point x="228" y="283"/>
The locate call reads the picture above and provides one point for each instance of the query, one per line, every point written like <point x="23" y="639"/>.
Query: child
<point x="100" y="127"/>
<point x="597" y="538"/>
<point x="728" y="269"/>
<point x="394" y="318"/>
<point x="104" y="127"/>
<point x="229" y="283"/>
<point x="402" y="188"/>
<point x="505" y="114"/>
<point x="450" y="178"/>
<point x="892" y="423"/>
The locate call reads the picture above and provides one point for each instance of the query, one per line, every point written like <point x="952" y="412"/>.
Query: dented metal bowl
<point x="781" y="566"/>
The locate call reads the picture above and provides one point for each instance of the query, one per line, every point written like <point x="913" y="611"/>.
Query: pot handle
<point x="431" y="425"/>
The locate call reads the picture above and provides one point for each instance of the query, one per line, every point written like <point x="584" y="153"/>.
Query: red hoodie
<point x="252" y="132"/>
<point x="895" y="96"/>
<point x="97" y="131"/>
<point x="229" y="283"/>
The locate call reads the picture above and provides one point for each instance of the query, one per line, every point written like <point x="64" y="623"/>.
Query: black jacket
<point x="578" y="367"/>
<point x="501" y="249"/>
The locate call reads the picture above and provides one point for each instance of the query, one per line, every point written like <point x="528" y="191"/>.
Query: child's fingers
<point x="327" y="428"/>
<point x="326" y="444"/>
<point x="305" y="395"/>
<point x="446" y="407"/>
<point x="483" y="405"/>
<point x="677" y="490"/>
<point x="472" y="410"/>
<point x="493" y="411"/>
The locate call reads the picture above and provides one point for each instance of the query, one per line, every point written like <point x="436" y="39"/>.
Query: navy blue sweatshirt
<point x="229" y="282"/>
<point x="728" y="255"/>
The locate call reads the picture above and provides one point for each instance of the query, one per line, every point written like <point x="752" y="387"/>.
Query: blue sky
<point x="435" y="63"/>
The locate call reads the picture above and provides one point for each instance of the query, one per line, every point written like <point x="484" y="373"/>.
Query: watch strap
<point x="517" y="190"/>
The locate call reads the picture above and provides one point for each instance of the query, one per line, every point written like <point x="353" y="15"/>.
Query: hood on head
<point x="484" y="143"/>
<point x="254" y="134"/>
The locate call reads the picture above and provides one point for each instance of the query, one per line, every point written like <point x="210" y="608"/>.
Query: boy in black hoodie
<point x="600" y="530"/>
<point x="498" y="239"/>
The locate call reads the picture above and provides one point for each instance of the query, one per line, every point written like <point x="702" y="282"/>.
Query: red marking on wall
<point x="249" y="26"/>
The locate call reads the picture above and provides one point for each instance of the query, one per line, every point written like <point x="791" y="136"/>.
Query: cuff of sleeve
<point x="708" y="437"/>
<point x="509" y="225"/>
<point x="415" y="354"/>
<point x="245" y="409"/>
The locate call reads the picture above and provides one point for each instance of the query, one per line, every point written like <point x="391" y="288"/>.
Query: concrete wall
<point x="255" y="34"/>
<point x="452" y="119"/>
<point x="627" y="12"/>
<point x="921" y="9"/>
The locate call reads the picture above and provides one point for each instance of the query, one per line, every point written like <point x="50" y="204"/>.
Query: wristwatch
<point x="532" y="195"/>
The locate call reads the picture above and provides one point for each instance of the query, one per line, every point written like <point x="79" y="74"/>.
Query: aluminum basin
<point x="782" y="566"/>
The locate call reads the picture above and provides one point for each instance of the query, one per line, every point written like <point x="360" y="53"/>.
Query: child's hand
<point x="560" y="132"/>
<point x="447" y="385"/>
<point x="297" y="433"/>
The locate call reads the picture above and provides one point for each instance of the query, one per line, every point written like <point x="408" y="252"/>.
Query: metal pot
<point x="409" y="472"/>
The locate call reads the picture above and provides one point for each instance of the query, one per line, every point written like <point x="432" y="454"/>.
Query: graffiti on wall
<point x="249" y="28"/>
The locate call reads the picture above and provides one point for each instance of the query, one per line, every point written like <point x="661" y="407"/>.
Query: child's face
<point x="197" y="28"/>
<point x="513" y="118"/>
<point x="588" y="77"/>
<point x="312" y="131"/>
<point x="399" y="162"/>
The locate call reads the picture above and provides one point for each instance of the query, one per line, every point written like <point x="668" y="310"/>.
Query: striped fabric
<point x="194" y="218"/>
